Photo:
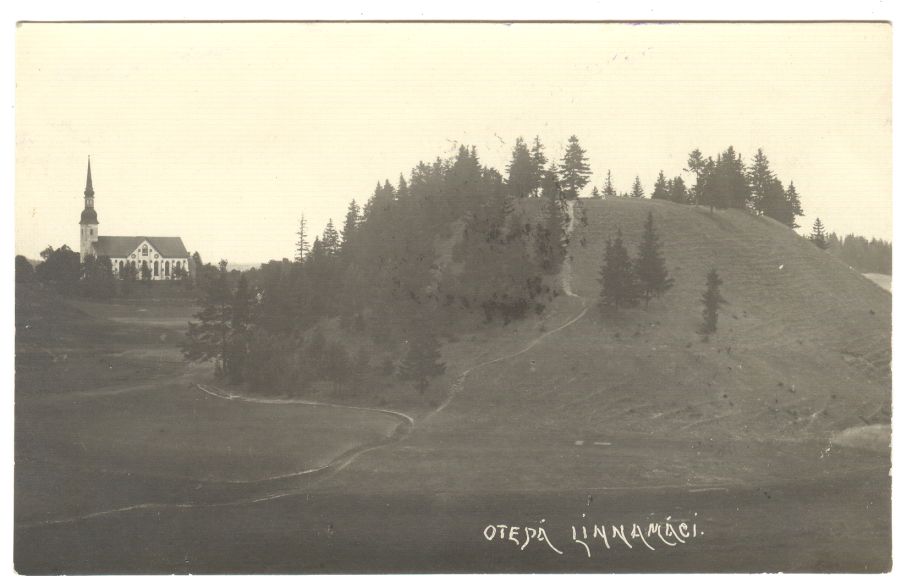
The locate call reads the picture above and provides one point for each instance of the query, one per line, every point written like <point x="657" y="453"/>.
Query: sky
<point x="224" y="134"/>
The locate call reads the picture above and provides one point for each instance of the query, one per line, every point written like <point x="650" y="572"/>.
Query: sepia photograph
<point x="452" y="297"/>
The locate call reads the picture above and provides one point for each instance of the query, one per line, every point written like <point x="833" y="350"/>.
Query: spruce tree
<point x="608" y="189"/>
<point x="818" y="234"/>
<point x="550" y="186"/>
<point x="650" y="268"/>
<point x="538" y="164"/>
<point x="637" y="190"/>
<point x="331" y="240"/>
<point x="678" y="191"/>
<point x="575" y="171"/>
<point x="520" y="170"/>
<point x="595" y="193"/>
<point x="793" y="200"/>
<point x="616" y="275"/>
<point x="711" y="300"/>
<point x="207" y="339"/>
<point x="661" y="188"/>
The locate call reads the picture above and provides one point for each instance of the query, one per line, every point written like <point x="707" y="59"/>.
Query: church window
<point x="144" y="251"/>
<point x="156" y="269"/>
<point x="167" y="269"/>
<point x="121" y="265"/>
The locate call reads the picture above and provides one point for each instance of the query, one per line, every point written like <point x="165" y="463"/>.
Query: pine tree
<point x="678" y="191"/>
<point x="423" y="361"/>
<point x="637" y="190"/>
<point x="351" y="222"/>
<point x="650" y="268"/>
<point x="538" y="164"/>
<point x="575" y="171"/>
<point x="521" y="174"/>
<point x="331" y="240"/>
<point x="207" y="339"/>
<point x="302" y="246"/>
<point x="793" y="200"/>
<point x="402" y="188"/>
<point x="661" y="188"/>
<point x="595" y="193"/>
<point x="616" y="275"/>
<point x="711" y="300"/>
<point x="818" y="234"/>
<point x="608" y="190"/>
<point x="761" y="179"/>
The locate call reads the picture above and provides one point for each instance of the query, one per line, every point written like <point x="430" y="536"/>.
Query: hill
<point x="802" y="354"/>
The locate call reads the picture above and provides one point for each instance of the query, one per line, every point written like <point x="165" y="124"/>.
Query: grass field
<point x="114" y="419"/>
<point x="774" y="432"/>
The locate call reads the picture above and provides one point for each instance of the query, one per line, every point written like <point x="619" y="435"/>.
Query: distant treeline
<point x="864" y="255"/>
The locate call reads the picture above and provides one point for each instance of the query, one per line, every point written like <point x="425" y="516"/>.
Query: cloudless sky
<point x="224" y="134"/>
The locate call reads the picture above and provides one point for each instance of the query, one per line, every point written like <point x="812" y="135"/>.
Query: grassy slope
<point x="106" y="416"/>
<point x="803" y="352"/>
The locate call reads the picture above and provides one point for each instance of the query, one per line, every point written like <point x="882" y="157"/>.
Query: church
<point x="162" y="257"/>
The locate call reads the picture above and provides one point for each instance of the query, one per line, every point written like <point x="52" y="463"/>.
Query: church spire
<point x="89" y="187"/>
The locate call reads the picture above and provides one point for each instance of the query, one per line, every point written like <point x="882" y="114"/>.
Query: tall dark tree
<point x="661" y="188"/>
<point x="637" y="189"/>
<point x="538" y="164"/>
<point x="761" y="181"/>
<point x="423" y="360"/>
<point x="608" y="189"/>
<point x="699" y="167"/>
<point x="650" y="267"/>
<point x="818" y="234"/>
<point x="522" y="179"/>
<point x="576" y="171"/>
<point x="301" y="249"/>
<point x="678" y="191"/>
<point x="711" y="299"/>
<point x="331" y="239"/>
<point x="351" y="223"/>
<point x="595" y="193"/>
<point x="60" y="268"/>
<point x="616" y="274"/>
<point x="207" y="339"/>
<point x="402" y="188"/>
<point x="793" y="201"/>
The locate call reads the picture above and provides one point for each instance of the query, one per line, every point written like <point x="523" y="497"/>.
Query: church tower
<point x="89" y="224"/>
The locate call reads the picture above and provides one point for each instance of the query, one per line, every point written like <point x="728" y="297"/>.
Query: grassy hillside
<point x="803" y="346"/>
<point x="637" y="396"/>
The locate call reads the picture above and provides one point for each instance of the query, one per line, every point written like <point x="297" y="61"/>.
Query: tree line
<point x="418" y="260"/>
<point x="725" y="181"/>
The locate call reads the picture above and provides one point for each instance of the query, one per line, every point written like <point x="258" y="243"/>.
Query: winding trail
<point x="401" y="432"/>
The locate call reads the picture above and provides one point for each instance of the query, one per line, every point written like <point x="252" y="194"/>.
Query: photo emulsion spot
<point x="341" y="298"/>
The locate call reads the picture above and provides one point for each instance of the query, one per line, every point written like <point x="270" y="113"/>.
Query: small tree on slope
<point x="616" y="276"/>
<point x="650" y="268"/>
<point x="711" y="300"/>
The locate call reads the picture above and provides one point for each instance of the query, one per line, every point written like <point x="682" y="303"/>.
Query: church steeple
<point x="89" y="187"/>
<point x="89" y="223"/>
<point x="89" y="215"/>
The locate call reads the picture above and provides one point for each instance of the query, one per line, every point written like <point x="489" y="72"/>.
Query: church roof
<point x="125" y="246"/>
